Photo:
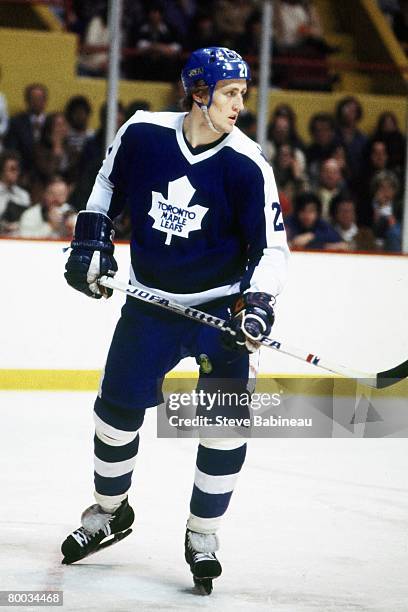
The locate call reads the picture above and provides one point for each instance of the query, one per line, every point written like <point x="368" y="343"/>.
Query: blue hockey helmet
<point x="213" y="64"/>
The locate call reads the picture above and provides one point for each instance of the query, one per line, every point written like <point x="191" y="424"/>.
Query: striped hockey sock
<point x="116" y="444"/>
<point x="219" y="462"/>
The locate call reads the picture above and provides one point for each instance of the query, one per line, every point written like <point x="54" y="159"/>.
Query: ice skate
<point x="200" y="555"/>
<point x="95" y="531"/>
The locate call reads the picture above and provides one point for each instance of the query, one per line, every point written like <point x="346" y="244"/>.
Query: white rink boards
<point x="350" y="309"/>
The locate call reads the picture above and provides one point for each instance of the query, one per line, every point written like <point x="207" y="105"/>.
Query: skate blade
<point x="105" y="544"/>
<point x="116" y="538"/>
<point x="204" y="586"/>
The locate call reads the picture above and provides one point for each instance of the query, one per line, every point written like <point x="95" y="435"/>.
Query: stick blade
<point x="392" y="376"/>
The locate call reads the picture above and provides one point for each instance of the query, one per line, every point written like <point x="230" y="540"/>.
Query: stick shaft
<point x="212" y="321"/>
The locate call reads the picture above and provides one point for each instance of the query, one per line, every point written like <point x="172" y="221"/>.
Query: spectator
<point x="248" y="44"/>
<point x="377" y="156"/>
<point x="298" y="33"/>
<point x="330" y="184"/>
<point x="92" y="157"/>
<point x="158" y="49"/>
<point x="388" y="131"/>
<point x="376" y="161"/>
<point x="77" y="17"/>
<point x="343" y="219"/>
<point x="203" y="33"/>
<point x="385" y="190"/>
<point x="285" y="110"/>
<point x="92" y="62"/>
<point x="178" y="14"/>
<point x="4" y="119"/>
<point x="25" y="128"/>
<point x="52" y="217"/>
<point x="306" y="229"/>
<point x="298" y="24"/>
<point x="52" y="154"/>
<point x="13" y="199"/>
<point x="133" y="15"/>
<point x="230" y="18"/>
<point x="393" y="234"/>
<point x="349" y="113"/>
<point x="77" y="113"/>
<point x="340" y="155"/>
<point x="281" y="131"/>
<point x="322" y="129"/>
<point x="290" y="179"/>
<point x="78" y="14"/>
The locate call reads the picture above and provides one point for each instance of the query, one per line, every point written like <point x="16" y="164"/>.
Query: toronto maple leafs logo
<point x="174" y="216"/>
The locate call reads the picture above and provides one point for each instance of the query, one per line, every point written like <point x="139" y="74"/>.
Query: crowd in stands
<point x="342" y="190"/>
<point x="157" y="36"/>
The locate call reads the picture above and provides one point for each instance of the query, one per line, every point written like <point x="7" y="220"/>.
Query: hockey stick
<point x="377" y="380"/>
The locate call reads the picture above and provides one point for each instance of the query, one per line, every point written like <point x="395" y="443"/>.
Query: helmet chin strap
<point x="206" y="114"/>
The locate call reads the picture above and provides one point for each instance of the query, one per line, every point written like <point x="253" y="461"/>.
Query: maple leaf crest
<point x="174" y="216"/>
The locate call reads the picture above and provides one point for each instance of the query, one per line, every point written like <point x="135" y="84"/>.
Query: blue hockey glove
<point x="92" y="254"/>
<point x="252" y="317"/>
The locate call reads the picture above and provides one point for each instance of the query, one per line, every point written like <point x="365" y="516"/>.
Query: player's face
<point x="227" y="103"/>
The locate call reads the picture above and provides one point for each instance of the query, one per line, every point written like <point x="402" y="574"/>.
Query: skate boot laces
<point x="94" y="521"/>
<point x="83" y="537"/>
<point x="199" y="556"/>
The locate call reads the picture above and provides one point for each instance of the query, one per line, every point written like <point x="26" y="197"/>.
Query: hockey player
<point x="207" y="232"/>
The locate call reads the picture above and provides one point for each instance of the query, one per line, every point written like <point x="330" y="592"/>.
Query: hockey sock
<point x="218" y="464"/>
<point x="116" y="445"/>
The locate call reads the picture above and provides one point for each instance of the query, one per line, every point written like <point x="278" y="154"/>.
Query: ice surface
<point x="314" y="525"/>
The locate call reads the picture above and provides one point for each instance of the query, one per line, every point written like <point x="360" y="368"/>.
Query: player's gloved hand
<point x="92" y="254"/>
<point x="252" y="317"/>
